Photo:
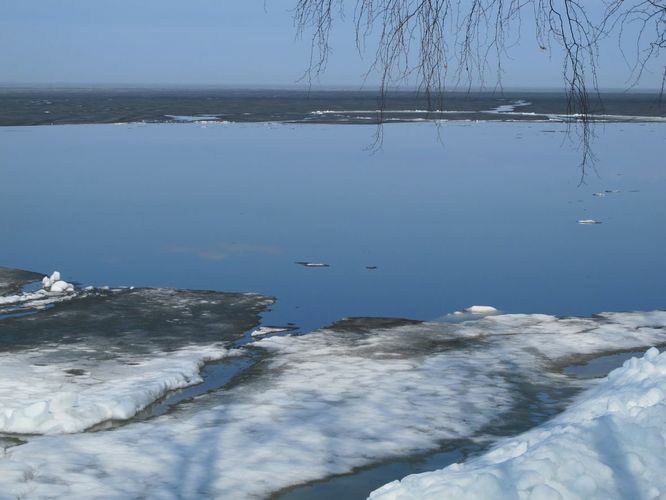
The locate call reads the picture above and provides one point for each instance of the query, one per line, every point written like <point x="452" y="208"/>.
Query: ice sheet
<point x="107" y="354"/>
<point x="12" y="280"/>
<point x="327" y="402"/>
<point x="608" y="445"/>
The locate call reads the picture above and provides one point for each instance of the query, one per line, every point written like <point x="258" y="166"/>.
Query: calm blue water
<point x="486" y="216"/>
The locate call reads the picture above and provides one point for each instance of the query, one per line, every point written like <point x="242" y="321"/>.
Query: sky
<point x="216" y="42"/>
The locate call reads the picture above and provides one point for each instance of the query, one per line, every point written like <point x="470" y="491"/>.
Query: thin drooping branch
<point x="424" y="42"/>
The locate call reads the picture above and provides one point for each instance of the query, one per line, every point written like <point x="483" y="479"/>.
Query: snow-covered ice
<point x="608" y="445"/>
<point x="324" y="403"/>
<point x="40" y="396"/>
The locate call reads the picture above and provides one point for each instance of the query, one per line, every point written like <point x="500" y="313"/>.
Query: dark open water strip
<point x="86" y="106"/>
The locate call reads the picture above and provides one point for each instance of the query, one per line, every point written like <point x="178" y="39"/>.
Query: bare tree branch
<point x="427" y="41"/>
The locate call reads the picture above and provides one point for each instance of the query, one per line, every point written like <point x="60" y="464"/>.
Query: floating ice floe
<point x="311" y="264"/>
<point x="509" y="108"/>
<point x="481" y="310"/>
<point x="588" y="221"/>
<point x="608" y="445"/>
<point x="267" y="330"/>
<point x="344" y="397"/>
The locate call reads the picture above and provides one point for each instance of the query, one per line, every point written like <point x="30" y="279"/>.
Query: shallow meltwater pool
<point x="270" y="311"/>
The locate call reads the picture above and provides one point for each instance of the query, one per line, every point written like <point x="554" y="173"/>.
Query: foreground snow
<point x="609" y="444"/>
<point x="72" y="395"/>
<point x="353" y="395"/>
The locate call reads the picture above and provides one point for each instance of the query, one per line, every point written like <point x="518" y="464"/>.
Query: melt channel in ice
<point x="352" y="395"/>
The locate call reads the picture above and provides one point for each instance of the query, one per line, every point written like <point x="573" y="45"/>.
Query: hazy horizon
<point x="241" y="45"/>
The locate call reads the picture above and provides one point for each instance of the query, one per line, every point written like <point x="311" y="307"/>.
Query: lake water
<point x="487" y="215"/>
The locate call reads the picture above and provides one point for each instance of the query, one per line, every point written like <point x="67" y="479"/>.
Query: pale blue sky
<point x="210" y="42"/>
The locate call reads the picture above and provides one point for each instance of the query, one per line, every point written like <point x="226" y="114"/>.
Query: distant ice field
<point x="68" y="106"/>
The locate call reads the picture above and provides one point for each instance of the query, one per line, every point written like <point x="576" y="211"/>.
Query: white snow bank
<point x="609" y="444"/>
<point x="63" y="397"/>
<point x="330" y="401"/>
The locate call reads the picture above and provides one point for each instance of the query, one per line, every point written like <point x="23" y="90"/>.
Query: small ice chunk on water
<point x="267" y="330"/>
<point x="481" y="310"/>
<point x="599" y="195"/>
<point x="312" y="264"/>
<point x="588" y="221"/>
